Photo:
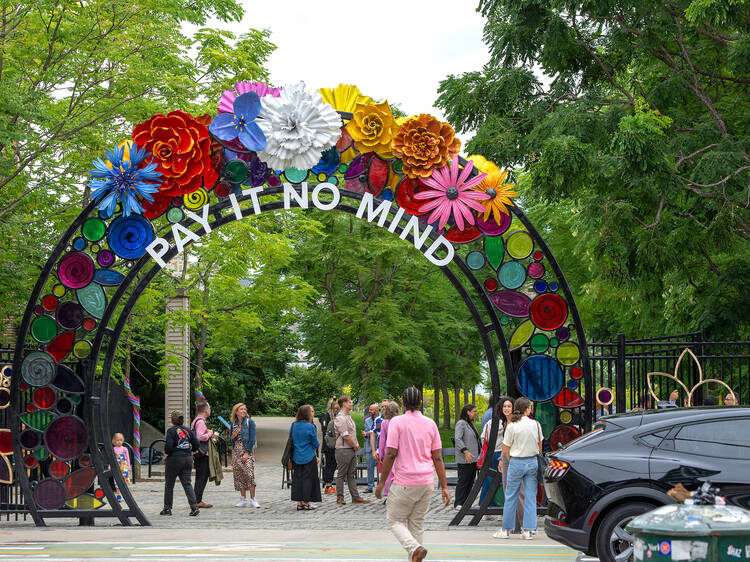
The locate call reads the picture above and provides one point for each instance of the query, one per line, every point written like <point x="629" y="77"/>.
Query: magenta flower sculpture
<point x="226" y="103"/>
<point x="451" y="193"/>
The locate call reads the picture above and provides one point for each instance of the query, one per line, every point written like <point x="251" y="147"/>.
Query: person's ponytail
<point x="519" y="408"/>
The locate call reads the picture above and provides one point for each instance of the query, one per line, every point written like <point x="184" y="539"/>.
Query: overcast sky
<point x="397" y="50"/>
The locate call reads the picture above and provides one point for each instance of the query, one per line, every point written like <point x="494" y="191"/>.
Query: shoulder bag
<point x="541" y="459"/>
<point x="286" y="458"/>
<point x="485" y="440"/>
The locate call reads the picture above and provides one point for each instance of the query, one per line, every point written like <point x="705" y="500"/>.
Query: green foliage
<point x="298" y="386"/>
<point x="630" y="150"/>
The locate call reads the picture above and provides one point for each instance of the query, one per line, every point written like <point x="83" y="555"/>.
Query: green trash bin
<point x="699" y="533"/>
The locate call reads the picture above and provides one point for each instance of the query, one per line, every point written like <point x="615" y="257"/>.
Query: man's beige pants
<point x="407" y="507"/>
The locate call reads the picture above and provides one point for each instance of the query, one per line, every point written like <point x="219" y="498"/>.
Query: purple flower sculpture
<point x="241" y="123"/>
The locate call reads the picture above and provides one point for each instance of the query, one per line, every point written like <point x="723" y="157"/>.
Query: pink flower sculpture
<point x="226" y="103"/>
<point x="451" y="193"/>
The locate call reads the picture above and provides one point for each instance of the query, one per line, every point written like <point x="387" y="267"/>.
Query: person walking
<point x="412" y="451"/>
<point x="390" y="412"/>
<point x="371" y="435"/>
<point x="178" y="448"/>
<point x="329" y="454"/>
<point x="346" y="452"/>
<point x="200" y="459"/>
<point x="504" y="405"/>
<point x="467" y="452"/>
<point x="243" y="457"/>
<point x="522" y="442"/>
<point x="305" y="482"/>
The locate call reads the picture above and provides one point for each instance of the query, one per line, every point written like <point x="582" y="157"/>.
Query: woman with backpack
<point x="329" y="452"/>
<point x="179" y="446"/>
<point x="305" y="483"/>
<point x="243" y="457"/>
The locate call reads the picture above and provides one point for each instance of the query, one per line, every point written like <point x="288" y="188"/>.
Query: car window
<point x="653" y="439"/>
<point x="727" y="439"/>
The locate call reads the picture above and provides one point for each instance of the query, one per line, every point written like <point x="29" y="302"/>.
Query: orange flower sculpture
<point x="181" y="147"/>
<point x="372" y="128"/>
<point x="423" y="143"/>
<point x="500" y="193"/>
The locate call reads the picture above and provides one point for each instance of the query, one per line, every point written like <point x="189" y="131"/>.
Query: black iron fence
<point x="624" y="365"/>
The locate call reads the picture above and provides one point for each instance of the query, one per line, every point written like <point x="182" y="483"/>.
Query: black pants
<point x="305" y="483"/>
<point x="329" y="465"/>
<point x="466" y="475"/>
<point x="201" y="475"/>
<point x="181" y="467"/>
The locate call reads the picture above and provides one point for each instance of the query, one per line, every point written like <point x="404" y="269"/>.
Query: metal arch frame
<point x="96" y="406"/>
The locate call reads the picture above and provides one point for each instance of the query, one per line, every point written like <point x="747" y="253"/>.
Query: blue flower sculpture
<point x="120" y="178"/>
<point x="240" y="124"/>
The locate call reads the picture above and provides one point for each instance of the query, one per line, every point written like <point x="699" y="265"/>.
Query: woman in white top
<point x="522" y="442"/>
<point x="504" y="406"/>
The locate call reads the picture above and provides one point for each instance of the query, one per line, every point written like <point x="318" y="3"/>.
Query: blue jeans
<point x="521" y="470"/>
<point x="371" y="464"/>
<point x="488" y="479"/>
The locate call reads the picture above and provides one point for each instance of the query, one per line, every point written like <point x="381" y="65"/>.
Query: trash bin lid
<point x="693" y="520"/>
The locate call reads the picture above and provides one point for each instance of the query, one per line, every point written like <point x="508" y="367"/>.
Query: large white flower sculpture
<point x="299" y="126"/>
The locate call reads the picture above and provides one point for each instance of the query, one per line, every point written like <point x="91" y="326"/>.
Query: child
<point x="123" y="459"/>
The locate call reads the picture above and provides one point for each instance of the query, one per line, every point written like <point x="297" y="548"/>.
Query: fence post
<point x="620" y="375"/>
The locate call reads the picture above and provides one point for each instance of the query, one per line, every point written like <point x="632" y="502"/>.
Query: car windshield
<point x="610" y="424"/>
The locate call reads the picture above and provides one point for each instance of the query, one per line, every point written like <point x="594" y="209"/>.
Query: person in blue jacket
<point x="243" y="456"/>
<point x="305" y="482"/>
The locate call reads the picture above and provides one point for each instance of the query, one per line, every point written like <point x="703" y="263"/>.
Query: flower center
<point x="451" y="192"/>
<point x="491" y="192"/>
<point x="241" y="124"/>
<point x="374" y="125"/>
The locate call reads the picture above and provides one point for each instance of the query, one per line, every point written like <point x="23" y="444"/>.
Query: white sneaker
<point x="457" y="508"/>
<point x="502" y="534"/>
<point x="254" y="502"/>
<point x="528" y="535"/>
<point x="241" y="503"/>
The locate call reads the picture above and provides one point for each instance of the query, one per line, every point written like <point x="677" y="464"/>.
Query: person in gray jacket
<point x="467" y="451"/>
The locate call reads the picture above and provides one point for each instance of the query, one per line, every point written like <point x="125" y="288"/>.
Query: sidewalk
<point x="276" y="531"/>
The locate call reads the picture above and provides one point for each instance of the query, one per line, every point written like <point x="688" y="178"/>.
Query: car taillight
<point x="556" y="469"/>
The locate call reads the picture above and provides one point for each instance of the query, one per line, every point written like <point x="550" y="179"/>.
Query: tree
<point x="75" y="77"/>
<point x="631" y="148"/>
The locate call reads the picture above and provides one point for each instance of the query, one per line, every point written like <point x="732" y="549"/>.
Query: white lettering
<point x="396" y="219"/>
<point x="235" y="206"/>
<point x="429" y="254"/>
<point x="367" y="204"/>
<point x="163" y="247"/>
<point x="178" y="240"/>
<point x="301" y="198"/>
<point x="253" y="193"/>
<point x="413" y="225"/>
<point x="316" y="196"/>
<point x="202" y="220"/>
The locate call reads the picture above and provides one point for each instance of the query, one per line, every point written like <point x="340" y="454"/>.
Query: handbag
<point x="483" y="452"/>
<point x="541" y="461"/>
<point x="286" y="458"/>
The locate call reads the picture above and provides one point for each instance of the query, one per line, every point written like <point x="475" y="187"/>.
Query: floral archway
<point x="267" y="149"/>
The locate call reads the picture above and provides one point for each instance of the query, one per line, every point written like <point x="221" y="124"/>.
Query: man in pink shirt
<point x="413" y="449"/>
<point x="203" y="434"/>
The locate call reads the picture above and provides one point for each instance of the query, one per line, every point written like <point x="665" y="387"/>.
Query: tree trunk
<point x="436" y="398"/>
<point x="473" y="396"/>
<point x="201" y="348"/>
<point x="466" y="396"/>
<point x="363" y="371"/>
<point x="456" y="400"/>
<point x="446" y="399"/>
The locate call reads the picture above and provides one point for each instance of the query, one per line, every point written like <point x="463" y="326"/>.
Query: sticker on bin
<point x="665" y="548"/>
<point x="734" y="552"/>
<point x="689" y="550"/>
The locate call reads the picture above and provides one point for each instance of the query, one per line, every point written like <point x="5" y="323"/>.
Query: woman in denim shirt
<point x="243" y="458"/>
<point x="305" y="482"/>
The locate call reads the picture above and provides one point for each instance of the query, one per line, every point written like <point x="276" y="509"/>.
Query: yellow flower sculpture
<point x="500" y="193"/>
<point x="482" y="164"/>
<point x="675" y="378"/>
<point x="345" y="97"/>
<point x="423" y="143"/>
<point x="373" y="128"/>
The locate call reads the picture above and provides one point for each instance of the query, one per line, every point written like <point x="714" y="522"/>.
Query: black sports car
<point x="599" y="482"/>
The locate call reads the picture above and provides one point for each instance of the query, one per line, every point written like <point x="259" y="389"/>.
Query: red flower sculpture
<point x="181" y="146"/>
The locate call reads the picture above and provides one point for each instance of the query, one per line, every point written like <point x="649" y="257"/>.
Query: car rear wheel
<point x="613" y="542"/>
